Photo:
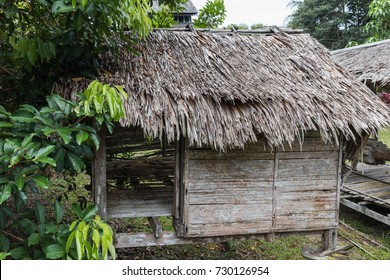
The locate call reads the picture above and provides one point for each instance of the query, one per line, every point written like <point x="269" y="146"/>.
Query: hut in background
<point x="369" y="63"/>
<point x="245" y="136"/>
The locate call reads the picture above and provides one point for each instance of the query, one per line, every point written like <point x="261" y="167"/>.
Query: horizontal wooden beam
<point x="147" y="239"/>
<point x="366" y="211"/>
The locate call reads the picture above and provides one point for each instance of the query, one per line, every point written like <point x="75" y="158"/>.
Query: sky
<point x="268" y="12"/>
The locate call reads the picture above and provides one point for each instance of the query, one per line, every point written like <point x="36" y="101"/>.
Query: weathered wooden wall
<point x="254" y="190"/>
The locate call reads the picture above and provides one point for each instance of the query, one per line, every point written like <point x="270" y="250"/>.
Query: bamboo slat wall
<point x="255" y="191"/>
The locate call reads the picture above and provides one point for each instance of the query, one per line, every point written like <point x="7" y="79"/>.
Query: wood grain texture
<point x="260" y="191"/>
<point x="99" y="177"/>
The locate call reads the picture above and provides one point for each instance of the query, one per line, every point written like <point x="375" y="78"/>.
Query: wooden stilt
<point x="329" y="239"/>
<point x="156" y="226"/>
<point x="99" y="176"/>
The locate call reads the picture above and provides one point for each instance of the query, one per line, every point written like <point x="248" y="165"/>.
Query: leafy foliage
<point x="102" y="102"/>
<point x="257" y="26"/>
<point x="241" y="26"/>
<point x="163" y="18"/>
<point x="379" y="25"/>
<point x="35" y="143"/>
<point x="334" y="23"/>
<point x="211" y="15"/>
<point x="89" y="237"/>
<point x="43" y="40"/>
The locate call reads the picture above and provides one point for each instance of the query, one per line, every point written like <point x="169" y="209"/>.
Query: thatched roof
<point x="369" y="62"/>
<point x="223" y="90"/>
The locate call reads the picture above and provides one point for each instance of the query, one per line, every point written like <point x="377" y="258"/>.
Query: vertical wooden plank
<point x="176" y="192"/>
<point x="184" y="192"/>
<point x="339" y="171"/>
<point x="274" y="186"/>
<point x="179" y="192"/>
<point x="99" y="176"/>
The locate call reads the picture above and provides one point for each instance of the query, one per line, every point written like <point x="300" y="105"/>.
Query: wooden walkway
<point x="368" y="191"/>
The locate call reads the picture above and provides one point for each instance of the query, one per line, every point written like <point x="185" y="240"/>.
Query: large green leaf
<point x="77" y="209"/>
<point x="40" y="212"/>
<point x="27" y="140"/>
<point x="19" y="181"/>
<point x="58" y="211"/>
<point x="11" y="145"/>
<point x="46" y="121"/>
<point x="20" y="253"/>
<point x="3" y="179"/>
<point x="65" y="134"/>
<point x="5" y="124"/>
<point x="95" y="140"/>
<point x="20" y="199"/>
<point x="30" y="170"/>
<point x="64" y="105"/>
<point x="4" y="111"/>
<point x="4" y="243"/>
<point x="60" y="7"/>
<point x="5" y="193"/>
<point x="33" y="239"/>
<point x="43" y="152"/>
<point x="41" y="181"/>
<point x="47" y="160"/>
<point x="4" y="255"/>
<point x="32" y="52"/>
<point x="22" y="116"/>
<point x="76" y="162"/>
<point x="90" y="212"/>
<point x="55" y="251"/>
<point x="59" y="159"/>
<point x="81" y="137"/>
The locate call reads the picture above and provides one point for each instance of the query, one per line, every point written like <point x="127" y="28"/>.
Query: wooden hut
<point x="245" y="136"/>
<point x="369" y="63"/>
<point x="367" y="190"/>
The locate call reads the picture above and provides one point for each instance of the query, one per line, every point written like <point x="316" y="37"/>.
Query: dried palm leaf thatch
<point x="223" y="90"/>
<point x="369" y="62"/>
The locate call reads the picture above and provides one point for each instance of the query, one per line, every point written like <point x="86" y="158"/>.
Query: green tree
<point x="211" y="15"/>
<point x="334" y="23"/>
<point x="36" y="143"/>
<point x="42" y="40"/>
<point x="379" y="24"/>
<point x="257" y="26"/>
<point x="241" y="26"/>
<point x="164" y="16"/>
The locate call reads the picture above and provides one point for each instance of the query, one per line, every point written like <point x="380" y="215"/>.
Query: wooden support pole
<point x="274" y="186"/>
<point x="179" y="189"/>
<point x="156" y="226"/>
<point x="270" y="237"/>
<point x="99" y="176"/>
<point x="329" y="239"/>
<point x="339" y="177"/>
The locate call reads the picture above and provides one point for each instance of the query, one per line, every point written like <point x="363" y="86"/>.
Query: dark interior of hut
<point x="140" y="175"/>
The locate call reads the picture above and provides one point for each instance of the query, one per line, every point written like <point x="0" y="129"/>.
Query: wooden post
<point x="339" y="176"/>
<point x="274" y="186"/>
<point x="156" y="226"/>
<point x="179" y="191"/>
<point x="329" y="239"/>
<point x="99" y="176"/>
<point x="270" y="237"/>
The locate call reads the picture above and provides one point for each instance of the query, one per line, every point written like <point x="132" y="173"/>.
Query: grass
<point x="284" y="248"/>
<point x="384" y="136"/>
